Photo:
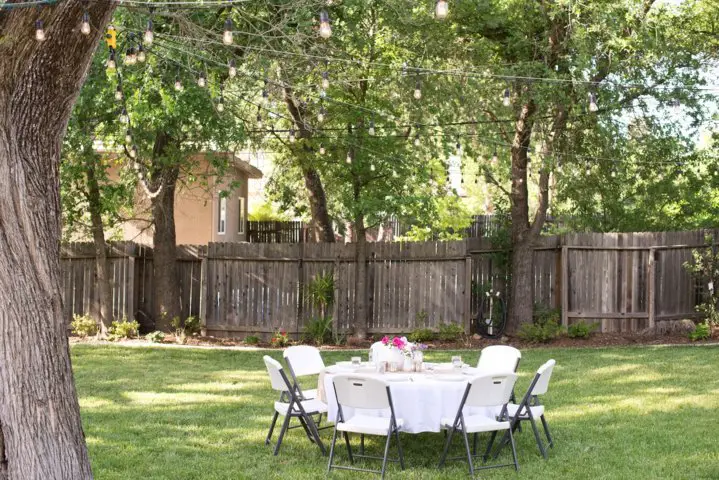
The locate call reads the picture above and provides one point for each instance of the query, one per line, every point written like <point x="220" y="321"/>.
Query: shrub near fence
<point x="626" y="282"/>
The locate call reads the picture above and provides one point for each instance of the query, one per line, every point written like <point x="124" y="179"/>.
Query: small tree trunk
<point x="164" y="260"/>
<point x="98" y="236"/>
<point x="521" y="288"/>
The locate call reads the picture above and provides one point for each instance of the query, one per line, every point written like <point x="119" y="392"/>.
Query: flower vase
<point x="407" y="364"/>
<point x="396" y="356"/>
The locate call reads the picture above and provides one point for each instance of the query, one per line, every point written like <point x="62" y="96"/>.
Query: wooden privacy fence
<point x="627" y="282"/>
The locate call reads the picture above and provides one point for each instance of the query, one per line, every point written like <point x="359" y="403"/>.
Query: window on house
<point x="241" y="217"/>
<point x="222" y="216"/>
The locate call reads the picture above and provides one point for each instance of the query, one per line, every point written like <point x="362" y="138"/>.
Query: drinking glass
<point x="457" y="362"/>
<point x="356" y="361"/>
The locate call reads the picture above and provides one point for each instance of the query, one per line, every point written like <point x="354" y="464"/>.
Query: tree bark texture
<point x="166" y="287"/>
<point x="102" y="270"/>
<point x="41" y="435"/>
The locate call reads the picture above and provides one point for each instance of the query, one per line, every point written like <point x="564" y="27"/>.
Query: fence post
<point x="300" y="289"/>
<point x="203" y="295"/>
<point x="651" y="291"/>
<point x="132" y="292"/>
<point x="336" y="301"/>
<point x="565" y="285"/>
<point x="467" y="292"/>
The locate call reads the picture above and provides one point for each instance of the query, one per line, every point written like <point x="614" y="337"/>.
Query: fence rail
<point x="627" y="282"/>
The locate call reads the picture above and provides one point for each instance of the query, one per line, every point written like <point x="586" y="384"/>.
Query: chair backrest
<point x="278" y="379"/>
<point x="357" y="391"/>
<point x="304" y="360"/>
<point x="490" y="390"/>
<point x="541" y="381"/>
<point x="499" y="359"/>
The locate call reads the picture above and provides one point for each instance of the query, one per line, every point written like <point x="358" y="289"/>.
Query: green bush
<point x="422" y="335"/>
<point x="542" y="333"/>
<point x="450" y="332"/>
<point x="191" y="326"/>
<point x="123" y="329"/>
<point x="581" y="329"/>
<point x="155" y="337"/>
<point x="252" y="339"/>
<point x="83" y="325"/>
<point x="319" y="330"/>
<point x="280" y="338"/>
<point x="702" y="332"/>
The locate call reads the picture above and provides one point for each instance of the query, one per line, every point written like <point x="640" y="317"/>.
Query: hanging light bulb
<point x="459" y="148"/>
<point x="441" y="10"/>
<point x="227" y="35"/>
<point x="133" y="152"/>
<point x="325" y="28"/>
<point x="124" y="117"/>
<point x="149" y="36"/>
<point x="349" y="158"/>
<point x="178" y="84"/>
<point x="614" y="173"/>
<point x="322" y="149"/>
<point x="39" y="31"/>
<point x="221" y="104"/>
<point x="292" y="135"/>
<point x="232" y="72"/>
<point x="128" y="137"/>
<point x="371" y="127"/>
<point x="141" y="57"/>
<point x="417" y="90"/>
<point x="593" y="102"/>
<point x="111" y="60"/>
<point x="201" y="80"/>
<point x="506" y="101"/>
<point x="118" y="93"/>
<point x="265" y="92"/>
<point x="259" y="119"/>
<point x="321" y="114"/>
<point x="371" y="167"/>
<point x="416" y="140"/>
<point x="588" y="170"/>
<point x="325" y="80"/>
<point x="85" y="25"/>
<point x="130" y="58"/>
<point x="495" y="157"/>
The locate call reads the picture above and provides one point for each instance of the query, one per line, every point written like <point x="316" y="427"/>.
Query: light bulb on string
<point x="506" y="100"/>
<point x="593" y="102"/>
<point x="128" y="137"/>
<point x="325" y="80"/>
<point x="85" y="25"/>
<point x="149" y="35"/>
<point x="321" y="114"/>
<point x="292" y="135"/>
<point x="441" y="9"/>
<point x="325" y="28"/>
<point x="418" y="90"/>
<point x="111" y="60"/>
<point x="265" y="92"/>
<point x="118" y="92"/>
<point x="371" y="167"/>
<point x="130" y="57"/>
<point x="232" y="70"/>
<point x="124" y="117"/>
<point x="495" y="157"/>
<point x="141" y="57"/>
<point x="416" y="140"/>
<point x="349" y="158"/>
<point x="371" y="127"/>
<point x="459" y="148"/>
<point x="588" y="169"/>
<point x="178" y="83"/>
<point x="39" y="31"/>
<point x="227" y="35"/>
<point x="322" y="149"/>
<point x="201" y="80"/>
<point x="259" y="119"/>
<point x="133" y="151"/>
<point x="221" y="104"/>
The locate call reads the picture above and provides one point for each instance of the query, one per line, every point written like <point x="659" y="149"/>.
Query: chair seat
<point x="310" y="406"/>
<point x="309" y="394"/>
<point x="368" y="425"/>
<point x="537" y="411"/>
<point x="477" y="423"/>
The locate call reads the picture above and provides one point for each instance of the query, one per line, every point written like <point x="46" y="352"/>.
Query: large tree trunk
<point x="41" y="434"/>
<point x="164" y="259"/>
<point x="102" y="271"/>
<point x="321" y="223"/>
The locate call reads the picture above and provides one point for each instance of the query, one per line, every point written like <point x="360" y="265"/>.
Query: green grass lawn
<point x="160" y="413"/>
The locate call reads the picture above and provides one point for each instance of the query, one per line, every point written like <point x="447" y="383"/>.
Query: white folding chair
<point x="291" y="406"/>
<point x="530" y="407"/>
<point x="499" y="359"/>
<point x="303" y="360"/>
<point x="364" y="393"/>
<point x="486" y="391"/>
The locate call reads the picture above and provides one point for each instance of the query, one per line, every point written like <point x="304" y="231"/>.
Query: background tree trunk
<point x="361" y="294"/>
<point x="41" y="434"/>
<point x="318" y="206"/>
<point x="102" y="271"/>
<point x="164" y="259"/>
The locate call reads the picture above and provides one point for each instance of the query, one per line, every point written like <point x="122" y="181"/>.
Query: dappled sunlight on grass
<point x="203" y="414"/>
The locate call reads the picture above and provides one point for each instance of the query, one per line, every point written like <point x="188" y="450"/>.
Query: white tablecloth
<point x="421" y="400"/>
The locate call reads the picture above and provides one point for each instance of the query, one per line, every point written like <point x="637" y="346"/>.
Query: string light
<point x="141" y="54"/>
<point x="371" y="127"/>
<point x="118" y="90"/>
<point x="130" y="57"/>
<point x="85" y="25"/>
<point x="232" y="71"/>
<point x="111" y="60"/>
<point x="128" y="137"/>
<point x="588" y="170"/>
<point x="133" y="154"/>
<point x="593" y="102"/>
<point x="227" y="36"/>
<point x="416" y="140"/>
<point x="495" y="157"/>
<point x="459" y="148"/>
<point x="124" y="118"/>
<point x="292" y="135"/>
<point x="441" y="10"/>
<point x="506" y="101"/>
<point x="417" y="90"/>
<point x="265" y="92"/>
<point x="349" y="158"/>
<point x="371" y="167"/>
<point x="325" y="28"/>
<point x="39" y="31"/>
<point x="321" y="114"/>
<point x="221" y="102"/>
<point x="322" y="149"/>
<point x="201" y="80"/>
<point x="325" y="80"/>
<point x="178" y="84"/>
<point x="149" y="36"/>
<point x="259" y="118"/>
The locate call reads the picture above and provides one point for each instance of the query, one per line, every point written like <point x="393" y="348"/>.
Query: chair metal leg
<point x="386" y="452"/>
<point x="546" y="431"/>
<point x="537" y="437"/>
<point x="303" y="422"/>
<point x="474" y="444"/>
<point x="349" y="447"/>
<point x="469" y="453"/>
<point x="514" y="450"/>
<point x="361" y="443"/>
<point x="315" y="434"/>
<point x="332" y="450"/>
<point x="399" y="449"/>
<point x="489" y="446"/>
<point x="446" y="447"/>
<point x="285" y="424"/>
<point x="272" y="428"/>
